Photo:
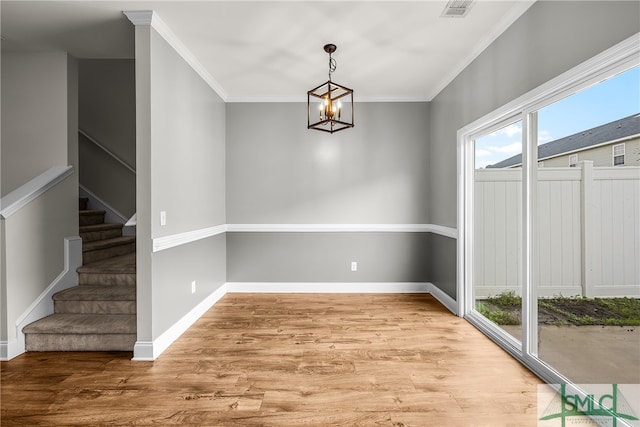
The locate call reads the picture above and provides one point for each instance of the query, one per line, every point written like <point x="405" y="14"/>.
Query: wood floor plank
<point x="286" y="360"/>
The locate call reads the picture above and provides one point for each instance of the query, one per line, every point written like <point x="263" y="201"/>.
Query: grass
<point x="505" y="308"/>
<point x="499" y="317"/>
<point x="506" y="300"/>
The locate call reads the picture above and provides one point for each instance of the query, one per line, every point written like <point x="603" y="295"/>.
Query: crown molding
<point x="501" y="26"/>
<point x="139" y="17"/>
<point x="303" y="99"/>
<point x="149" y="17"/>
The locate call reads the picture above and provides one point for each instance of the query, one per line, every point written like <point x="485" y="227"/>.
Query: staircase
<point x="100" y="313"/>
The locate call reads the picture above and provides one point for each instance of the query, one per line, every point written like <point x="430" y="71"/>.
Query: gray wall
<point x="39" y="123"/>
<point x="549" y="39"/>
<point x="188" y="156"/>
<point x="35" y="249"/>
<point x="180" y="170"/>
<point x="279" y="172"/>
<point x="34" y="116"/>
<point x="326" y="257"/>
<point x="202" y="261"/>
<point x="107" y="114"/>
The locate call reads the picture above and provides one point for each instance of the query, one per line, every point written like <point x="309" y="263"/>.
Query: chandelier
<point x="330" y="105"/>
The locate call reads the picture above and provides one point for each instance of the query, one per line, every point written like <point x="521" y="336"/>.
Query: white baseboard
<point x="9" y="350"/>
<point x="443" y="298"/>
<point x="329" y="287"/>
<point x="143" y="351"/>
<point x="42" y="306"/>
<point x="150" y="350"/>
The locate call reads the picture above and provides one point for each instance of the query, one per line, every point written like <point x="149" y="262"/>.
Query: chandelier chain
<point x="332" y="65"/>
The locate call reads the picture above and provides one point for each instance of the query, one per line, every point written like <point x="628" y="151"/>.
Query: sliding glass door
<point x="549" y="257"/>
<point x="497" y="201"/>
<point x="587" y="232"/>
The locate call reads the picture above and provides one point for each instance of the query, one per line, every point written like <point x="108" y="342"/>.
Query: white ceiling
<point x="273" y="50"/>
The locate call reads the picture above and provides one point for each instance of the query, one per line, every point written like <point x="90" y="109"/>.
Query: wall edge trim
<point x="343" y="228"/>
<point x="166" y="242"/>
<point x="26" y="193"/>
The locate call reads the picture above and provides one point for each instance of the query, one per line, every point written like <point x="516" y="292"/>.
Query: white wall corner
<point x="42" y="306"/>
<point x="148" y="351"/>
<point x="149" y="17"/>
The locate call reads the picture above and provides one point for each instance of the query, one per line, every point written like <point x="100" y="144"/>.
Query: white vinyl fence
<point x="587" y="236"/>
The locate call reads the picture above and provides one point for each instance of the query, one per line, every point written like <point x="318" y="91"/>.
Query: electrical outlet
<point x="163" y="218"/>
<point x="193" y="287"/>
<point x="354" y="266"/>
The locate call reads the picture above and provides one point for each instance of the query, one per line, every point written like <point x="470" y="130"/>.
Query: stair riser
<point x="91" y="219"/>
<point x="92" y="236"/>
<point x="95" y="307"/>
<point x="83" y="202"/>
<point x="106" y="279"/>
<point x="72" y="342"/>
<point x="100" y="254"/>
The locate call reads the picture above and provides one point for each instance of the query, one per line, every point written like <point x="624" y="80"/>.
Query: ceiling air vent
<point x="456" y="8"/>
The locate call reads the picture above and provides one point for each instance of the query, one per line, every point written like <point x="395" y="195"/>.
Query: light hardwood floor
<point x="287" y="360"/>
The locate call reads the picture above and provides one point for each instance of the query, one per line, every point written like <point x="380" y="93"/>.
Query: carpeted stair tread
<point x="107" y="243"/>
<point x="90" y="216"/>
<point x="84" y="324"/>
<point x="99" y="227"/>
<point x="97" y="293"/>
<point x="96" y="299"/>
<point x="123" y="264"/>
<point x="100" y="314"/>
<point x="91" y="233"/>
<point x="86" y="212"/>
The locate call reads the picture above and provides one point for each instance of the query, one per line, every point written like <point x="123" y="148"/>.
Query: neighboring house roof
<point x="613" y="131"/>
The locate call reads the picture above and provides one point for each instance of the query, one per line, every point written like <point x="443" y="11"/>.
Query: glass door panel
<point x="587" y="233"/>
<point x="497" y="226"/>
